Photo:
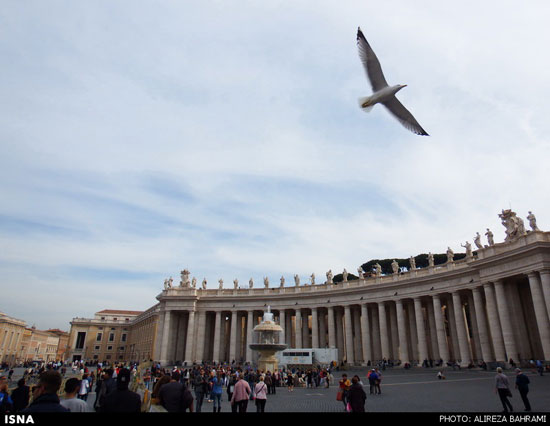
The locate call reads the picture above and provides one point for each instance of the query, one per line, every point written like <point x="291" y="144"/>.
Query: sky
<point x="141" y="138"/>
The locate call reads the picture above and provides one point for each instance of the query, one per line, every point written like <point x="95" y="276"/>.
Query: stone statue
<point x="430" y="259"/>
<point x="203" y="283"/>
<point x="513" y="224"/>
<point x="236" y="283"/>
<point x="450" y="255"/>
<point x="170" y="281"/>
<point x="166" y="283"/>
<point x="378" y="269"/>
<point x="532" y="222"/>
<point x="313" y="278"/>
<point x="468" y="248"/>
<point x="194" y="282"/>
<point x="360" y="272"/>
<point x="395" y="267"/>
<point x="282" y="282"/>
<point x="251" y="283"/>
<point x="297" y="280"/>
<point x="329" y="276"/>
<point x="345" y="274"/>
<point x="184" y="278"/>
<point x="477" y="241"/>
<point x="220" y="282"/>
<point x="490" y="238"/>
<point x="412" y="262"/>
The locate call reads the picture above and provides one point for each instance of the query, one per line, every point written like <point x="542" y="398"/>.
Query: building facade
<point x="102" y="338"/>
<point x="12" y="331"/>
<point x="491" y="306"/>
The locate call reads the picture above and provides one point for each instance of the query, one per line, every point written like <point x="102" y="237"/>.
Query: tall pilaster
<point x="543" y="324"/>
<point x="440" y="329"/>
<point x="421" y="330"/>
<point x="365" y="334"/>
<point x="385" y="343"/>
<point x="494" y="323"/>
<point x="166" y="338"/>
<point x="322" y="329"/>
<point x="505" y="322"/>
<point x="349" y="335"/>
<point x="485" y="344"/>
<point x="401" y="331"/>
<point x="340" y="334"/>
<point x="305" y="330"/>
<point x="461" y="330"/>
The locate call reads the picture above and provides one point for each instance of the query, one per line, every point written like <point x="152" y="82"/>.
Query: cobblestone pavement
<point x="416" y="390"/>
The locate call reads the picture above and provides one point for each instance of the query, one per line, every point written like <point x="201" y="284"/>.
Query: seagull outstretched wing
<point x="397" y="109"/>
<point x="371" y="63"/>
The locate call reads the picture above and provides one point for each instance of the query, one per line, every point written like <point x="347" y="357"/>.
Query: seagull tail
<point x="365" y="101"/>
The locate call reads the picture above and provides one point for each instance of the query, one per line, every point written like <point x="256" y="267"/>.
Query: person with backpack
<point x="260" y="392"/>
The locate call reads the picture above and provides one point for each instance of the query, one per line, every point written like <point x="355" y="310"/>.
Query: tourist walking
<point x="522" y="385"/>
<point x="241" y="394"/>
<point x="357" y="396"/>
<point x="290" y="381"/>
<point x="260" y="391"/>
<point x="84" y="388"/>
<point x="343" y="390"/>
<point x="502" y="387"/>
<point x="200" y="383"/>
<point x="216" y="393"/>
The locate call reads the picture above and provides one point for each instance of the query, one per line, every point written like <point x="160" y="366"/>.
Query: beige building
<point x="102" y="338"/>
<point x="492" y="306"/>
<point x="12" y="331"/>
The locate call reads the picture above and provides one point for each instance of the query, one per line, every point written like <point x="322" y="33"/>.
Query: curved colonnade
<point x="492" y="306"/>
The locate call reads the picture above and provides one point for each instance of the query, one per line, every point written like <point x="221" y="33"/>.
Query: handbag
<point x="339" y="395"/>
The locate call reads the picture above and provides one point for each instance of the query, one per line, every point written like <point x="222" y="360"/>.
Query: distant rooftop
<point x="118" y="312"/>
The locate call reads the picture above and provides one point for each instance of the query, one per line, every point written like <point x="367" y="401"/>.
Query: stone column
<point x="349" y="336"/>
<point x="376" y="343"/>
<point x="421" y="330"/>
<point x="322" y="330"/>
<point x="249" y="330"/>
<point x="298" y="328"/>
<point x="401" y="331"/>
<point x="434" y="354"/>
<point x="201" y="336"/>
<point x="394" y="351"/>
<point x="413" y="335"/>
<point x="485" y="344"/>
<point x="461" y="331"/>
<point x="282" y="323"/>
<point x="505" y="322"/>
<point x="358" y="351"/>
<point x="233" y="337"/>
<point x="340" y="334"/>
<point x="217" y="331"/>
<point x="305" y="330"/>
<point x="314" y="328"/>
<point x="545" y="284"/>
<point x="440" y="330"/>
<point x="494" y="323"/>
<point x="385" y="343"/>
<point x="365" y="334"/>
<point x="543" y="324"/>
<point x="476" y="344"/>
<point x="189" y="345"/>
<point x="331" y="334"/>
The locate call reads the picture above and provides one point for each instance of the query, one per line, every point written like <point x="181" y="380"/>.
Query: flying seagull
<point x="382" y="92"/>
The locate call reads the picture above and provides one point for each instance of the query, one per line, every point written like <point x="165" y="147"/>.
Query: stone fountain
<point x="268" y="342"/>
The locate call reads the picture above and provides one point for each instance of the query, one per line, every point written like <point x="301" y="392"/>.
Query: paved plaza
<point x="415" y="390"/>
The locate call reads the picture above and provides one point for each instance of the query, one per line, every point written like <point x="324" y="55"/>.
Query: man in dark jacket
<point x="522" y="385"/>
<point x="20" y="396"/>
<point x="174" y="396"/>
<point x="122" y="400"/>
<point x="45" y="399"/>
<point x="108" y="385"/>
<point x="357" y="396"/>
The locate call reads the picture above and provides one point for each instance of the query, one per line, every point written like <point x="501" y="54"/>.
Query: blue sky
<point x="137" y="140"/>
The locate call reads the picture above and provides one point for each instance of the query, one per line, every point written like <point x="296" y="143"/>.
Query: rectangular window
<point x="111" y="337"/>
<point x="109" y="348"/>
<point x="80" y="340"/>
<point x="97" y="348"/>
<point x="99" y="337"/>
<point x="123" y="338"/>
